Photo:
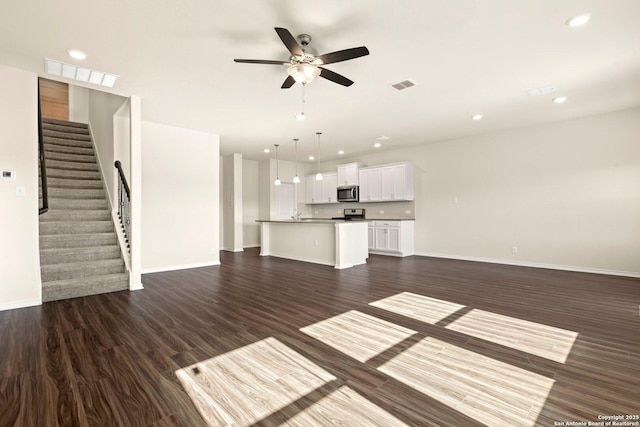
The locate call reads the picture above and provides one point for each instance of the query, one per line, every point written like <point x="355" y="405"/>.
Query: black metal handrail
<point x="43" y="168"/>
<point x="124" y="203"/>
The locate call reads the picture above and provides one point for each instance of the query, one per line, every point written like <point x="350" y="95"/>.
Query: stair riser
<point x="73" y="183"/>
<point x="81" y="204"/>
<point x="55" y="148"/>
<point x="57" y="164"/>
<point x="48" y="276"/>
<point x="75" y="193"/>
<point x="61" y="173"/>
<point x="66" y="157"/>
<point x="56" y="241"/>
<point x="55" y="293"/>
<point x="64" y="135"/>
<point x="61" y="215"/>
<point x="52" y="228"/>
<point x="67" y="142"/>
<point x="79" y="254"/>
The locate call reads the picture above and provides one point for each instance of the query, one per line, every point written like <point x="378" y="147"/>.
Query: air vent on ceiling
<point x="403" y="85"/>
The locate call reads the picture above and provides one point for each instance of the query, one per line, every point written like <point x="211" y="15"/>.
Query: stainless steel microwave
<point x="348" y="193"/>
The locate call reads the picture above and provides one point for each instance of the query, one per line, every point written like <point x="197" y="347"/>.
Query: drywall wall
<point x="180" y="198"/>
<point x="20" y="284"/>
<point x="565" y="194"/>
<point x="268" y="170"/>
<point x="78" y="104"/>
<point x="102" y="107"/>
<point x="250" y="205"/>
<point x="232" y="202"/>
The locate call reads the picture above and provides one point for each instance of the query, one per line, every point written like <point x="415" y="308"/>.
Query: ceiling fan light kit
<point x="303" y="73"/>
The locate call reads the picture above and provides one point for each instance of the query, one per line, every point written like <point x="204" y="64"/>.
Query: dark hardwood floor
<point x="113" y="359"/>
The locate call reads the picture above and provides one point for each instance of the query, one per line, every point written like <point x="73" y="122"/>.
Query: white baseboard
<point x="257" y="245"/>
<point x="534" y="265"/>
<point x="20" y="304"/>
<point x="136" y="287"/>
<point x="179" y="267"/>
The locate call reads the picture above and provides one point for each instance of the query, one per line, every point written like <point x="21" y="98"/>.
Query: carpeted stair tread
<point x="91" y="253"/>
<point x="75" y="174"/>
<point x="68" y="204"/>
<point x="48" y="121"/>
<point x="74" y="183"/>
<point x="72" y="270"/>
<point x="57" y="148"/>
<point x="65" y="129"/>
<point x="66" y="135"/>
<point x="55" y="215"/>
<point x="69" y="157"/>
<point x="59" y="164"/>
<point x="52" y="140"/>
<point x="78" y="240"/>
<point x="75" y="227"/>
<point x="76" y="193"/>
<point x="85" y="286"/>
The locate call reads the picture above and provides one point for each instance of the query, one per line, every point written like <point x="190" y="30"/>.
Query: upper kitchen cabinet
<point x="348" y="174"/>
<point x="397" y="182"/>
<point x="370" y="184"/>
<point x="386" y="183"/>
<point x="325" y="191"/>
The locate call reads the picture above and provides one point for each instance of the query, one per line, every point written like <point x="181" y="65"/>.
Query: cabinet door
<point x="309" y="188"/>
<point x="329" y="188"/>
<point x="372" y="243"/>
<point x="347" y="175"/>
<point x="380" y="235"/>
<point x="393" y="239"/>
<point x="399" y="182"/>
<point x="386" y="187"/>
<point x="375" y="182"/>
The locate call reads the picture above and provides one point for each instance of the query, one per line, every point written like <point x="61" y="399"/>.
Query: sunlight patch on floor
<point x="357" y="334"/>
<point x="344" y="407"/>
<point x="533" y="338"/>
<point x="419" y="307"/>
<point x="248" y="384"/>
<point x="487" y="390"/>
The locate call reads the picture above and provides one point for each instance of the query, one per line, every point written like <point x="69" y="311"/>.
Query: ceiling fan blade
<point x="261" y="61"/>
<point x="343" y="55"/>
<point x="289" y="81"/>
<point x="289" y="41"/>
<point x="335" y="77"/>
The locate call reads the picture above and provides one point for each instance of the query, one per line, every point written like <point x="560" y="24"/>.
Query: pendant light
<point x="296" y="179"/>
<point x="319" y="174"/>
<point x="277" y="181"/>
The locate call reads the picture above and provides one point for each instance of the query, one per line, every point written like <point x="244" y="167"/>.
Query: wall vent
<point x="403" y="85"/>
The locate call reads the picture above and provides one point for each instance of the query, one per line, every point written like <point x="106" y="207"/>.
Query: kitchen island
<point x="339" y="243"/>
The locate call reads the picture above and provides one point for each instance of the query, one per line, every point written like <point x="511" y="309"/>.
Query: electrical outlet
<point x="315" y="243"/>
<point x="455" y="200"/>
<point x="514" y="249"/>
<point x="20" y="190"/>
<point x="381" y="212"/>
<point x="407" y="212"/>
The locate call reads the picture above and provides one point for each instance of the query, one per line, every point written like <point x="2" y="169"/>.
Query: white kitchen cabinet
<point x="348" y="174"/>
<point x="396" y="182"/>
<point x="329" y="187"/>
<point x="313" y="190"/>
<point x="370" y="184"/>
<point x="391" y="238"/>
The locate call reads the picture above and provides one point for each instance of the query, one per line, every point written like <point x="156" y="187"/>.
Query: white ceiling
<point x="467" y="57"/>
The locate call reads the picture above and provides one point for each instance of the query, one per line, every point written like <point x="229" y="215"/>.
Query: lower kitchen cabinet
<point x="391" y="238"/>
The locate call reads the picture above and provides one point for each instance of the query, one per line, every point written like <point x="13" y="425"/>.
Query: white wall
<point x="78" y="104"/>
<point x="250" y="205"/>
<point x="20" y="284"/>
<point x="180" y="198"/>
<point x="566" y="194"/>
<point x="232" y="202"/>
<point x="102" y="107"/>
<point x="286" y="170"/>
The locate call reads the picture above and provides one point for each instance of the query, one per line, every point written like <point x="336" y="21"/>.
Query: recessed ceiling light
<point x="559" y="99"/>
<point x="341" y="152"/>
<point x="266" y="150"/>
<point x="377" y="145"/>
<point x="578" y="20"/>
<point x="77" y="54"/>
<point x="311" y="158"/>
<point x="477" y="117"/>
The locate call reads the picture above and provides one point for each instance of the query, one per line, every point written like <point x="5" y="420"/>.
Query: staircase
<point x="79" y="251"/>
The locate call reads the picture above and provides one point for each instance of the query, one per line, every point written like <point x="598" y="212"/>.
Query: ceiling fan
<point x="305" y="64"/>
